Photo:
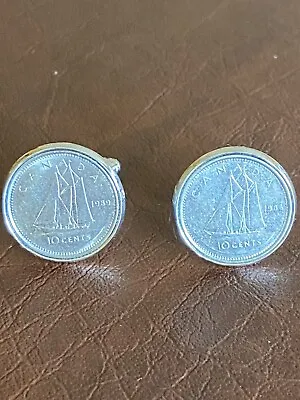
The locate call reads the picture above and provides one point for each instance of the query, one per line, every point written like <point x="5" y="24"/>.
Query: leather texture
<point x="155" y="84"/>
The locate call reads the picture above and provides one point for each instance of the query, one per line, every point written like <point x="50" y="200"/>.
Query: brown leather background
<point x="155" y="84"/>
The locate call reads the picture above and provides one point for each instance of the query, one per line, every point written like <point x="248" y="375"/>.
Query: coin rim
<point x="227" y="151"/>
<point x="106" y="163"/>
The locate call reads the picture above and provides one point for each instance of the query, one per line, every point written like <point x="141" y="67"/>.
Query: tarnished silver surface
<point x="63" y="202"/>
<point x="234" y="206"/>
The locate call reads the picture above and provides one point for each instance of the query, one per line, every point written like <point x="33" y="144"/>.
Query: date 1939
<point x="100" y="203"/>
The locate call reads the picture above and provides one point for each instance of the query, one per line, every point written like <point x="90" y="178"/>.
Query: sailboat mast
<point x="231" y="228"/>
<point x="247" y="200"/>
<point x="74" y="194"/>
<point x="229" y="219"/>
<point x="86" y="200"/>
<point x="55" y="212"/>
<point x="259" y="205"/>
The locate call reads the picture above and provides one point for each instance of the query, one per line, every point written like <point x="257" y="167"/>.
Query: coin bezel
<point x="109" y="165"/>
<point x="225" y="152"/>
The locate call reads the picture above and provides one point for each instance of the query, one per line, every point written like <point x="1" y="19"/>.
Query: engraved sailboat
<point x="239" y="209"/>
<point x="66" y="206"/>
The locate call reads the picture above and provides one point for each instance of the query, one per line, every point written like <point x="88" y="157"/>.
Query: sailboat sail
<point x="66" y="207"/>
<point x="239" y="210"/>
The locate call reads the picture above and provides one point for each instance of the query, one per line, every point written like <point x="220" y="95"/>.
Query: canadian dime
<point x="63" y="202"/>
<point x="234" y="206"/>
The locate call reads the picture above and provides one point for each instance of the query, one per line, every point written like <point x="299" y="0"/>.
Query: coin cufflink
<point x="63" y="202"/>
<point x="234" y="206"/>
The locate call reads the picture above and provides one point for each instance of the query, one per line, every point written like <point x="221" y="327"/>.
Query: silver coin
<point x="63" y="202"/>
<point x="234" y="206"/>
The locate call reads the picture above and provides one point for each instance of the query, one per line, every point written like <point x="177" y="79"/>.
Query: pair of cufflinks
<point x="233" y="206"/>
